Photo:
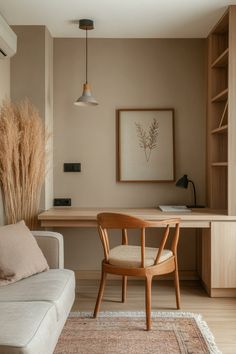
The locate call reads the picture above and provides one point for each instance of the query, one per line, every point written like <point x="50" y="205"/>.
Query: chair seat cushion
<point x="130" y="256"/>
<point x="55" y="286"/>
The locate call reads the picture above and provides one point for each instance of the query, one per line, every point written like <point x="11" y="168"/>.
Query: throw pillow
<point x="20" y="255"/>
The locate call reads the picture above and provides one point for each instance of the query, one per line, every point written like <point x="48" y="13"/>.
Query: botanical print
<point x="147" y="138"/>
<point x="145" y="145"/>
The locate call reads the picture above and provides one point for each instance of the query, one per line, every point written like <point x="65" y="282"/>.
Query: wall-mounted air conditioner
<point x="8" y="40"/>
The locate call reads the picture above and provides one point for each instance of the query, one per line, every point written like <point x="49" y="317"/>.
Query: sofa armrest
<point x="52" y="246"/>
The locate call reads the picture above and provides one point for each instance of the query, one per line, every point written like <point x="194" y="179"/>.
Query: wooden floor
<point x="219" y="313"/>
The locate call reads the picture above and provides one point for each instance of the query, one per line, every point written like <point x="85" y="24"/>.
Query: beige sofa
<point x="33" y="311"/>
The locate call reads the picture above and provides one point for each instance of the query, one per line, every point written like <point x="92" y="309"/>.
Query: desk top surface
<point x="73" y="213"/>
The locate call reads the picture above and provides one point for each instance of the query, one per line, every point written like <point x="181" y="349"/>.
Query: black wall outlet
<point x="72" y="167"/>
<point x="62" y="202"/>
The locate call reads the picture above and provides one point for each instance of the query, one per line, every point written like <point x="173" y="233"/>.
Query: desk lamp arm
<point x="194" y="192"/>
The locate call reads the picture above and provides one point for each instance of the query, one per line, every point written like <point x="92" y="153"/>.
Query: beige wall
<point x="32" y="77"/>
<point x="5" y="78"/>
<point x="4" y="93"/>
<point x="48" y="188"/>
<point x="28" y="66"/>
<point x="125" y="73"/>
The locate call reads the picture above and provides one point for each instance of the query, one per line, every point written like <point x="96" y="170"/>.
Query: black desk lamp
<point x="183" y="183"/>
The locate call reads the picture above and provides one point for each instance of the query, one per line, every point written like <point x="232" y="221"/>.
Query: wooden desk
<point x="218" y="238"/>
<point x="86" y="217"/>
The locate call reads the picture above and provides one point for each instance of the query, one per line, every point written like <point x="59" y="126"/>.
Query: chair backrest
<point x="124" y="222"/>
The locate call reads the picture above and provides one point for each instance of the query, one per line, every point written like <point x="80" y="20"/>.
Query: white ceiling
<point x="118" y="18"/>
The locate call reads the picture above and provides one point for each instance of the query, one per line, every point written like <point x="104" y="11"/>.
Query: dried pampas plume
<point x="22" y="161"/>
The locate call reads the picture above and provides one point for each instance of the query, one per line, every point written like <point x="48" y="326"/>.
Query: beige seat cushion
<point x="20" y="255"/>
<point x="26" y="326"/>
<point x="130" y="256"/>
<point x="56" y="286"/>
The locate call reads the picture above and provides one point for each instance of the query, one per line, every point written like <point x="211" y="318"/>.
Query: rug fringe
<point x="202" y="325"/>
<point x="207" y="334"/>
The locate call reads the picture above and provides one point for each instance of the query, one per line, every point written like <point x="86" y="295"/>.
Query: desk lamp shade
<point x="183" y="183"/>
<point x="87" y="98"/>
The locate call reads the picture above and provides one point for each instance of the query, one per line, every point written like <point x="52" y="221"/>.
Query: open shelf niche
<point x="221" y="146"/>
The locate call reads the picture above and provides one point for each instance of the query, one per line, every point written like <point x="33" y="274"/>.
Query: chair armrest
<point x="52" y="246"/>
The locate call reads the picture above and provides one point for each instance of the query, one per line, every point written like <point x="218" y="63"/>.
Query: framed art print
<point x="145" y="145"/>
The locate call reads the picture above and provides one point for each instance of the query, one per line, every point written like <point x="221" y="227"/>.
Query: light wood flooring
<point x="219" y="313"/>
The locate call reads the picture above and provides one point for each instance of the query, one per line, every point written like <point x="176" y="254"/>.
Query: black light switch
<point x="72" y="167"/>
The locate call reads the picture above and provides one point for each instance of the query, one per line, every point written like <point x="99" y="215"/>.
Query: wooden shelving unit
<point x="221" y="132"/>
<point x="221" y="153"/>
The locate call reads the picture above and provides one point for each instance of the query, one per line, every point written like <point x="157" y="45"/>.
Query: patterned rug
<point x="124" y="333"/>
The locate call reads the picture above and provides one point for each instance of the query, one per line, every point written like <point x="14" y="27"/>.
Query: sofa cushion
<point x="20" y="255"/>
<point x="25" y="327"/>
<point x="56" y="286"/>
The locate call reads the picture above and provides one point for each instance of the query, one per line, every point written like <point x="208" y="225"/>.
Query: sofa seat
<point x="24" y="327"/>
<point x="34" y="310"/>
<point x="55" y="286"/>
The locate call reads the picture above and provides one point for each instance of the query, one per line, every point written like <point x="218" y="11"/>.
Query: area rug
<point x="124" y="333"/>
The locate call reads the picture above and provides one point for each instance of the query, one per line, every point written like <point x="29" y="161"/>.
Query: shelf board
<point x="222" y="60"/>
<point x="220" y="130"/>
<point x="222" y="96"/>
<point x="222" y="25"/>
<point x="219" y="164"/>
<point x="224" y="117"/>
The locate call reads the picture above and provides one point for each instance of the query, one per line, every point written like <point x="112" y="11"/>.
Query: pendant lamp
<point x="87" y="98"/>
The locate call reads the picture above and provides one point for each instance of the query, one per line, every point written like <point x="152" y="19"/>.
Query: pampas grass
<point x="22" y="161"/>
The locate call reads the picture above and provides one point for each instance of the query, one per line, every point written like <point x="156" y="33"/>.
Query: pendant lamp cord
<point x="86" y="56"/>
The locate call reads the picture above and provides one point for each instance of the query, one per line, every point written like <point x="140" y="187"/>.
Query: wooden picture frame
<point x="145" y="145"/>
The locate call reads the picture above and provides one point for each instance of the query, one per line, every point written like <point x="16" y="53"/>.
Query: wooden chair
<point x="140" y="261"/>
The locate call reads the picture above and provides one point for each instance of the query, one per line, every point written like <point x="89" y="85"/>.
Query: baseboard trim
<point x="96" y="274"/>
<point x="219" y="292"/>
<point x="222" y="292"/>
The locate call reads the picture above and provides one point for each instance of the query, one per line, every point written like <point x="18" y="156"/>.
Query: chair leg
<point x="124" y="288"/>
<point x="100" y="294"/>
<point x="148" y="301"/>
<point x="176" y="282"/>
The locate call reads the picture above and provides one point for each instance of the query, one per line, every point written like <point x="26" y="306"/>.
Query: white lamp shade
<point x="86" y="99"/>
